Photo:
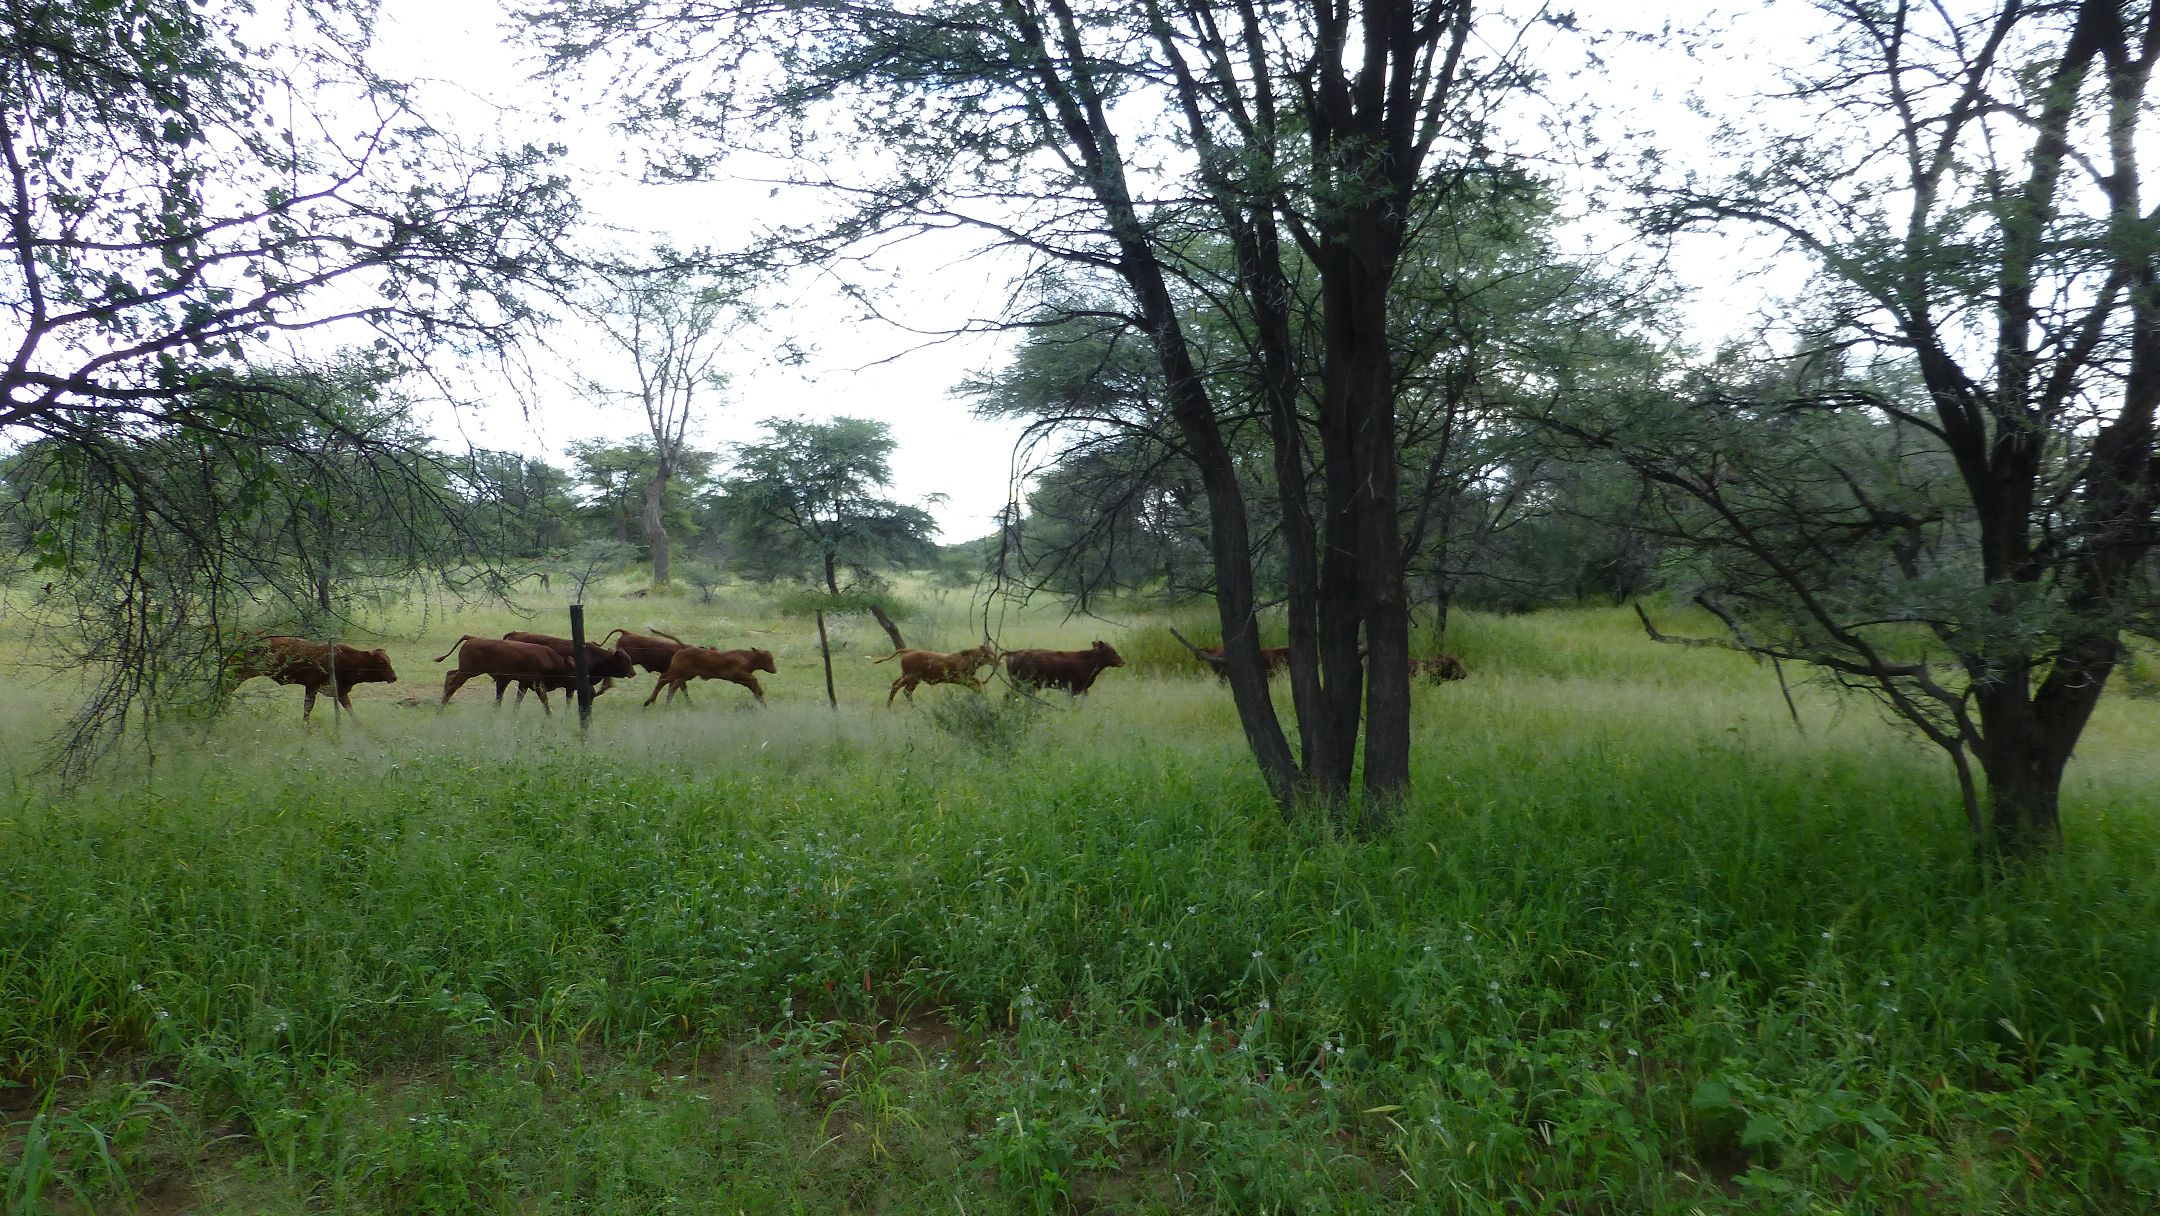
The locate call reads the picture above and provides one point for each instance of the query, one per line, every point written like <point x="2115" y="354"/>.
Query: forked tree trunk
<point x="2024" y="793"/>
<point x="2028" y="736"/>
<point x="1363" y="576"/>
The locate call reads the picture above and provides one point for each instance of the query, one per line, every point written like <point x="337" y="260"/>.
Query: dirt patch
<point x="16" y="1098"/>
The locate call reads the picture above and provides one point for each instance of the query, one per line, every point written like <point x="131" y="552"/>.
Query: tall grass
<point x="1639" y="945"/>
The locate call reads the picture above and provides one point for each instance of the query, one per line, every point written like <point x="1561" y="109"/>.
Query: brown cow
<point x="918" y="667"/>
<point x="290" y="660"/>
<point x="603" y="664"/>
<point x="1442" y="667"/>
<point x="652" y="654"/>
<point x="704" y="663"/>
<point x="1272" y="659"/>
<point x="532" y="667"/>
<point x="1072" y="670"/>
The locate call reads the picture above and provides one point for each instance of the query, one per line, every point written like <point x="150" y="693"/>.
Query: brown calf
<point x="702" y="663"/>
<point x="918" y="667"/>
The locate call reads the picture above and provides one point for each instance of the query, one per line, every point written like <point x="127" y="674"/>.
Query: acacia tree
<point x="1114" y="505"/>
<point x="1084" y="132"/>
<point x="170" y="203"/>
<point x="524" y="504"/>
<point x="806" y="496"/>
<point x="163" y="544"/>
<point x="1986" y="251"/>
<point x="617" y="479"/>
<point x="665" y="318"/>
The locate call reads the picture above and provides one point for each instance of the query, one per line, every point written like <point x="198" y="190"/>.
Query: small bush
<point x="702" y="577"/>
<point x="2141" y="674"/>
<point x="991" y="726"/>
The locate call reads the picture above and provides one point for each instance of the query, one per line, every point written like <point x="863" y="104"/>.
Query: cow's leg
<point x="897" y="685"/>
<point x="452" y="682"/>
<point x="656" y="692"/>
<point x="307" y="704"/>
<point x="541" y="693"/>
<point x="502" y="685"/>
<point x="749" y="681"/>
<point x="344" y="696"/>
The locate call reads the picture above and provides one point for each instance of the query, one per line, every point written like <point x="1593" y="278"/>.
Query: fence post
<point x="331" y="646"/>
<point x="584" y="668"/>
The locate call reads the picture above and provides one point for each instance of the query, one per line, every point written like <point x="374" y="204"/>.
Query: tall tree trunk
<point x="1383" y="602"/>
<point x="656" y="530"/>
<point x="1079" y="105"/>
<point x="1324" y="747"/>
<point x="832" y="574"/>
<point x="1229" y="542"/>
<point x="1342" y="665"/>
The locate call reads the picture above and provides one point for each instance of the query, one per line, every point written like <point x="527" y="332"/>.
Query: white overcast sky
<point x="475" y="80"/>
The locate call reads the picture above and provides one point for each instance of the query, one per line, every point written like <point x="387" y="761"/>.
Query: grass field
<point x="1638" y="945"/>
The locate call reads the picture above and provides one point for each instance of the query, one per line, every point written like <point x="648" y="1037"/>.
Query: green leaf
<point x="1711" y="1094"/>
<point x="1761" y="1130"/>
<point x="1842" y="1161"/>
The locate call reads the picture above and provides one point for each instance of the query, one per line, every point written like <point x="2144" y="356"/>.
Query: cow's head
<point x="608" y="662"/>
<point x="761" y="660"/>
<point x="389" y="675"/>
<point x="1107" y="655"/>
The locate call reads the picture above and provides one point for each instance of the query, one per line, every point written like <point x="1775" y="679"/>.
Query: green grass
<point x="1638" y="945"/>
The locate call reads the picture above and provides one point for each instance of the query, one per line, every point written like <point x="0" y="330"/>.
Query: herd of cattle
<point x="541" y="663"/>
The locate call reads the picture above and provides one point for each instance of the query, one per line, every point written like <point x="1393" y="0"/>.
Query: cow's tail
<point x="603" y="640"/>
<point x="669" y="636"/>
<point x="453" y="647"/>
<point x="888" y="658"/>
